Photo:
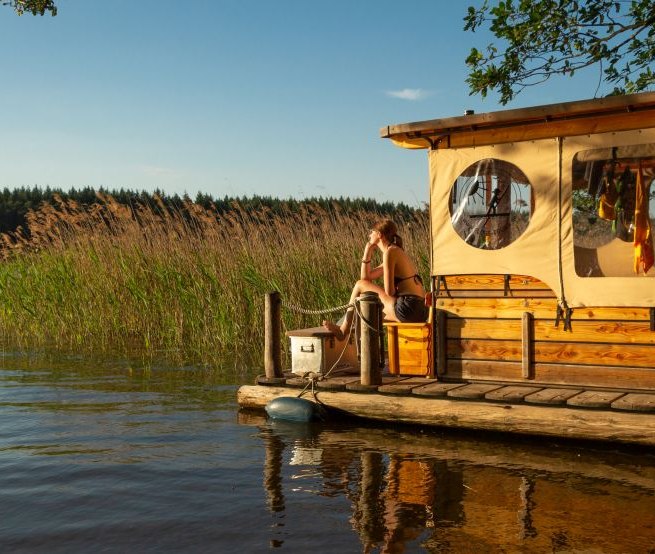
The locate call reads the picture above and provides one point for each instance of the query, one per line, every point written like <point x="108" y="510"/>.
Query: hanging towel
<point x="643" y="242"/>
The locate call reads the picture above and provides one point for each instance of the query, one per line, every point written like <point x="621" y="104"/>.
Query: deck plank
<point x="474" y="391"/>
<point x="635" y="402"/>
<point x="594" y="399"/>
<point x="386" y="380"/>
<point x="435" y="390"/>
<point x="337" y="383"/>
<point x="552" y="397"/>
<point x="514" y="393"/>
<point x="406" y="386"/>
<point x="296" y="381"/>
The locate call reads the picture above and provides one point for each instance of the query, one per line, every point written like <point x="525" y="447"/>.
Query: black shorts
<point x="410" y="308"/>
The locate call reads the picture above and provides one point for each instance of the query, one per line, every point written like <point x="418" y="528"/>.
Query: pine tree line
<point x="15" y="203"/>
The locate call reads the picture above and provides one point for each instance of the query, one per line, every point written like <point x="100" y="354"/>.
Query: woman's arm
<point x="366" y="272"/>
<point x="375" y="273"/>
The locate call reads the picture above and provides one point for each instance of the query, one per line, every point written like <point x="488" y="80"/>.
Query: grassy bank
<point x="117" y="278"/>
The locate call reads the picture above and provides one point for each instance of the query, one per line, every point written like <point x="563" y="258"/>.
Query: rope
<point x="313" y="378"/>
<point x="361" y="316"/>
<point x="300" y="310"/>
<point x="306" y="311"/>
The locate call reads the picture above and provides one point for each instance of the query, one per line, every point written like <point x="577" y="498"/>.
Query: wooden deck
<point x="618" y="415"/>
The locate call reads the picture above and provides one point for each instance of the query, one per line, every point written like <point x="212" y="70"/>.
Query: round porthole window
<point x="490" y="204"/>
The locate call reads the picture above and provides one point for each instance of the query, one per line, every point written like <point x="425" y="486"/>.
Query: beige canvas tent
<point x="541" y="241"/>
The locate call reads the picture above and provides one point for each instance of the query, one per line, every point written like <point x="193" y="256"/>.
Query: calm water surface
<point x="111" y="456"/>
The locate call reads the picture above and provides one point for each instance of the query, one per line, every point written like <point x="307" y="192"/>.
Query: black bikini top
<point x="416" y="277"/>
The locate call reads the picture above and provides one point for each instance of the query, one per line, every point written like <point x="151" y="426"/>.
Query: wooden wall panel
<point x="485" y="350"/>
<point x="630" y="378"/>
<point x="598" y="376"/>
<point x="518" y="286"/>
<point x="614" y="332"/>
<point x="494" y="293"/>
<point x="482" y="369"/>
<point x="606" y="347"/>
<point x="634" y="355"/>
<point x="540" y="308"/>
<point x="497" y="282"/>
<point x="498" y="308"/>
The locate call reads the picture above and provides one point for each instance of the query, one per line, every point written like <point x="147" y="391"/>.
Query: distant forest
<point x="15" y="203"/>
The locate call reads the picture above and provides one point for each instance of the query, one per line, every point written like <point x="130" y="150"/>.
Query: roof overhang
<point x="612" y="113"/>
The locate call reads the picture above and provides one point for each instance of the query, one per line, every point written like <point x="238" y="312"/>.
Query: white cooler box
<point x="317" y="350"/>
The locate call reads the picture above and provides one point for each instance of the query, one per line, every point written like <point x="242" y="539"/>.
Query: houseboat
<point x="542" y="315"/>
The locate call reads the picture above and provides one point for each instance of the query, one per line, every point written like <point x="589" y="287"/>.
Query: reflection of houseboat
<point x="407" y="491"/>
<point x="542" y="267"/>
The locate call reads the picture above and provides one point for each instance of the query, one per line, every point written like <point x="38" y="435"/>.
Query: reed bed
<point x="185" y="284"/>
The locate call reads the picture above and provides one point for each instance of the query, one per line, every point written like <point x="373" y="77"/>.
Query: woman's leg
<point x="362" y="286"/>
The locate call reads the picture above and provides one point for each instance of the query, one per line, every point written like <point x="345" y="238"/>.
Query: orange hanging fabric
<point x="644" y="257"/>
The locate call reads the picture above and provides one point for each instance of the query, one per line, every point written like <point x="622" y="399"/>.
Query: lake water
<point x="112" y="456"/>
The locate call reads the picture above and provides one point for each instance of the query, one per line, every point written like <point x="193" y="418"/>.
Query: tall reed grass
<point x="189" y="285"/>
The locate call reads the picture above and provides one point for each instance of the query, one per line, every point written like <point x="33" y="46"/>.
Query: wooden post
<point x="441" y="343"/>
<point x="273" y="459"/>
<point x="272" y="345"/>
<point x="381" y="336"/>
<point x="526" y="345"/>
<point x="368" y="515"/>
<point x="370" y="307"/>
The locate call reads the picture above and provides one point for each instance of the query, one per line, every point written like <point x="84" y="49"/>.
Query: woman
<point x="402" y="295"/>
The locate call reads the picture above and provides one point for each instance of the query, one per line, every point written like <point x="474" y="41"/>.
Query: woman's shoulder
<point x="395" y="254"/>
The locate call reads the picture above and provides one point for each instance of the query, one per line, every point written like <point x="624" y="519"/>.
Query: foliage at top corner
<point x="538" y="39"/>
<point x="35" y="7"/>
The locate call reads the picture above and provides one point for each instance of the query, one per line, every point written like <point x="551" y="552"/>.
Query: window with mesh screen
<point x="613" y="210"/>
<point x="491" y="204"/>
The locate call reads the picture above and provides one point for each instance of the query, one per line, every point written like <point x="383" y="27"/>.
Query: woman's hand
<point x="373" y="239"/>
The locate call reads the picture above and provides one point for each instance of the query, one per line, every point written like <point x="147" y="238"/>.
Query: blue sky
<point x="235" y="97"/>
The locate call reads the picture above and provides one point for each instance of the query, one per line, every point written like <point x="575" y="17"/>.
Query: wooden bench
<point x="410" y="347"/>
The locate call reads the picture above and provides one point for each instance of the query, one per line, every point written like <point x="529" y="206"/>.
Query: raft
<point x="542" y="267"/>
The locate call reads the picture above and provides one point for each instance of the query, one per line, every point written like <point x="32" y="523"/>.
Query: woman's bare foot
<point x="334" y="329"/>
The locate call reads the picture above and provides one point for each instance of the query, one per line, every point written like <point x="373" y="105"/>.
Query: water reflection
<point x="116" y="456"/>
<point x="409" y="491"/>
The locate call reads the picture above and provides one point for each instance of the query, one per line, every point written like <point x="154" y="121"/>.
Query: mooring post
<point x="371" y="328"/>
<point x="272" y="344"/>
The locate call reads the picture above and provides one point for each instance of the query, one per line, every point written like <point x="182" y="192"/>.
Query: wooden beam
<point x="495" y="293"/>
<point x="484" y="369"/>
<point x="554" y="374"/>
<point x="526" y="345"/>
<point x="541" y="308"/>
<point x="584" y="353"/>
<point x="392" y="348"/>
<point x="442" y="342"/>
<point x="592" y="109"/>
<point x="492" y="350"/>
<point x="634" y="355"/>
<point x="613" y="332"/>
<point x="610" y="377"/>
<point x="272" y="335"/>
<point x="370" y="330"/>
<point x="526" y="419"/>
<point x="552" y="129"/>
